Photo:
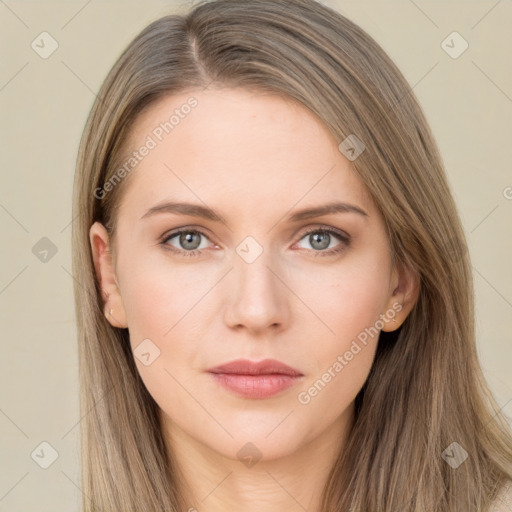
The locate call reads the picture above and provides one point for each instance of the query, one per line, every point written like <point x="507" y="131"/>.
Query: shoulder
<point x="503" y="502"/>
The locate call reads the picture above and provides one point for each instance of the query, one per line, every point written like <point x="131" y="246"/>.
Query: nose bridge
<point x="257" y="299"/>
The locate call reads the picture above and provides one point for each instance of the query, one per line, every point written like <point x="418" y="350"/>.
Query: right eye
<point x="188" y="239"/>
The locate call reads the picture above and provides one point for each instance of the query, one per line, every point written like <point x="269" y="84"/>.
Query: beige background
<point x="44" y="103"/>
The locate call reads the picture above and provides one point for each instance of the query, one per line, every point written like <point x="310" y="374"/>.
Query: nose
<point x="258" y="299"/>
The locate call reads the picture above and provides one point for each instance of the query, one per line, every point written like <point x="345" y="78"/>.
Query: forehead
<point x="239" y="147"/>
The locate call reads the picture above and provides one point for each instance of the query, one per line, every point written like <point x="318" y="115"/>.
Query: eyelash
<point x="345" y="239"/>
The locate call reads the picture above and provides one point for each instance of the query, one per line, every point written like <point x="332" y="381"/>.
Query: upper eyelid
<point x="173" y="233"/>
<point x="340" y="232"/>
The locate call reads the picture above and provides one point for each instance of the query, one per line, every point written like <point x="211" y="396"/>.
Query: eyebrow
<point x="196" y="210"/>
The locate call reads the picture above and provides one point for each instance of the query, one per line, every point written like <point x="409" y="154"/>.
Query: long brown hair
<point x="425" y="390"/>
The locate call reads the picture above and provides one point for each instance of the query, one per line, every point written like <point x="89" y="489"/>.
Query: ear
<point x="105" y="272"/>
<point x="406" y="287"/>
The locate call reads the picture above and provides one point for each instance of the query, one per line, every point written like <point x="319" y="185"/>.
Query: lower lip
<point x="255" y="386"/>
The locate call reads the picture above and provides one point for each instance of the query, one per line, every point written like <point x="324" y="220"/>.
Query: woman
<point x="275" y="308"/>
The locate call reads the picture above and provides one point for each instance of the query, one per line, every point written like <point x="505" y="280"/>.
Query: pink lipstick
<point x="256" y="380"/>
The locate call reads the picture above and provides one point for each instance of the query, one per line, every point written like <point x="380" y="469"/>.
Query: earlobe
<point x="105" y="273"/>
<point x="403" y="298"/>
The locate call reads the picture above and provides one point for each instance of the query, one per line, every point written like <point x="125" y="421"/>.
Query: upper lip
<point x="264" y="367"/>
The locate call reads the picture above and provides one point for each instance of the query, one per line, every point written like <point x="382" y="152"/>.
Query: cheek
<point x="159" y="298"/>
<point x="327" y="395"/>
<point x="161" y="304"/>
<point x="344" y="300"/>
<point x="342" y="359"/>
<point x="347" y="306"/>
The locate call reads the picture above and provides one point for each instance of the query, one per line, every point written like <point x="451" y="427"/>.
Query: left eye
<point x="320" y="239"/>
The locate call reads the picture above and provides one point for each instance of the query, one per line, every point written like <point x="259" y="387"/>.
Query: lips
<point x="255" y="380"/>
<point x="264" y="367"/>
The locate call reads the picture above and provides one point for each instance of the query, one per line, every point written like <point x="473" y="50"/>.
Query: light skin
<point x="255" y="159"/>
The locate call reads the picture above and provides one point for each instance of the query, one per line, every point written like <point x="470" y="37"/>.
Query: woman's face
<point x="265" y="282"/>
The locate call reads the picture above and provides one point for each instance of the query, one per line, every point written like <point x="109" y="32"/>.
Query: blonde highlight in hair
<point x="425" y="390"/>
